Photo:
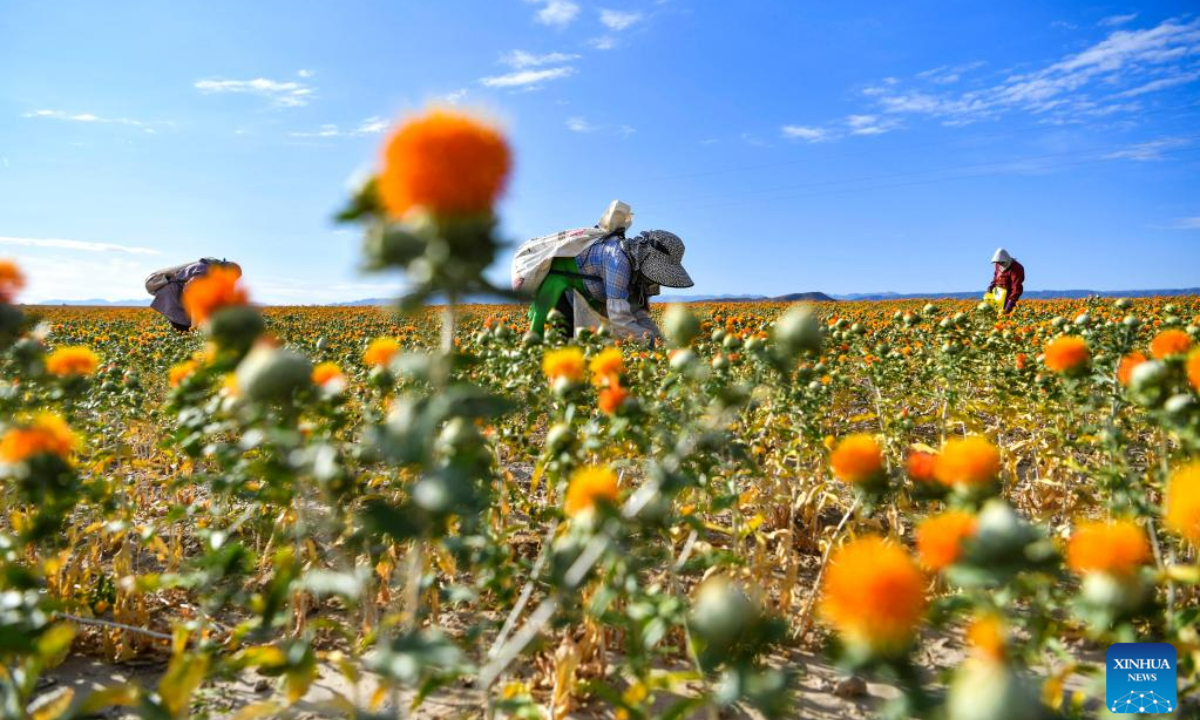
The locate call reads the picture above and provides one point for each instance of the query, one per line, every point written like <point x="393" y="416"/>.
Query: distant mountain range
<point x="792" y="297"/>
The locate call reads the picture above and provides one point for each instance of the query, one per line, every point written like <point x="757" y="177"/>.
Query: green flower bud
<point x="680" y="325"/>
<point x="798" y="331"/>
<point x="991" y="690"/>
<point x="269" y="374"/>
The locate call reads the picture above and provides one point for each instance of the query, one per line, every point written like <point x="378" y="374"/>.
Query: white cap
<point x="618" y="216"/>
<point x="1001" y="256"/>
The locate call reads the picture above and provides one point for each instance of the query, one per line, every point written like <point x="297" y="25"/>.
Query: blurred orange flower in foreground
<point x="588" y="486"/>
<point x="939" y="538"/>
<point x="987" y="637"/>
<point x="179" y="373"/>
<point x="46" y="433"/>
<point x="443" y="161"/>
<point x="380" y="352"/>
<point x="1067" y="354"/>
<point x="326" y="372"/>
<point x="919" y="465"/>
<point x="216" y="290"/>
<point x="11" y="280"/>
<point x="1182" y="502"/>
<point x="873" y="594"/>
<point x="1118" y="547"/>
<point x="607" y="366"/>
<point x="967" y="461"/>
<point x="72" y="360"/>
<point x="1126" y="366"/>
<point x="1193" y="369"/>
<point x="857" y="459"/>
<point x="1170" y="342"/>
<point x="610" y="398"/>
<point x="565" y="363"/>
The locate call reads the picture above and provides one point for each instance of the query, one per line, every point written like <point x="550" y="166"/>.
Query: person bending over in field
<point x="167" y="288"/>
<point x="1009" y="277"/>
<point x="616" y="277"/>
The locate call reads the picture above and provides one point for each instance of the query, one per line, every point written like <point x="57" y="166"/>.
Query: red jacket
<point x="1012" y="280"/>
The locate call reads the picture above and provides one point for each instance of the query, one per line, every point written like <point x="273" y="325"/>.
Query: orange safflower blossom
<point x="857" y="459"/>
<point x="1117" y="548"/>
<point x="215" y="290"/>
<point x="566" y="363"/>
<point x="873" y="595"/>
<point x="1126" y="366"/>
<point x="72" y="360"/>
<point x="11" y="281"/>
<point x="1182" y="502"/>
<point x="919" y="466"/>
<point x="969" y="461"/>
<point x="1067" y="354"/>
<point x="45" y="434"/>
<point x="380" y="352"/>
<point x="1193" y="369"/>
<point x="611" y="398"/>
<point x="939" y="538"/>
<point x="180" y="372"/>
<point x="988" y="638"/>
<point x="588" y="486"/>
<point x="445" y="162"/>
<point x="325" y="373"/>
<point x="607" y="366"/>
<point x="1170" y="342"/>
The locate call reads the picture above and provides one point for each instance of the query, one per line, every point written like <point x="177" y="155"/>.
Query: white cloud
<point x="1115" y="20"/>
<point x="579" y="125"/>
<point x="604" y="42"/>
<point x="73" y="276"/>
<point x="805" y="133"/>
<point x="305" y="73"/>
<point x="369" y="126"/>
<point x="1148" y="151"/>
<point x="520" y="59"/>
<point x="83" y="118"/>
<point x="1188" y="223"/>
<point x="1085" y="84"/>
<point x="949" y="74"/>
<point x="617" y="21"/>
<point x="626" y="130"/>
<point x="556" y="13"/>
<point x="523" y="78"/>
<point x="452" y="98"/>
<point x="870" y="124"/>
<point x="84" y="245"/>
<point x="285" y="94"/>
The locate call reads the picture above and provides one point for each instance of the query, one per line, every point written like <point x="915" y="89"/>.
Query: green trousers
<point x="551" y="291"/>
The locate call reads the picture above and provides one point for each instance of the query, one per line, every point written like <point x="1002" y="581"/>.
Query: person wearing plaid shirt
<point x="607" y="274"/>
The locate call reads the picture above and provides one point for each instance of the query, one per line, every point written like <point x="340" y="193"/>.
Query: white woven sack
<point x="532" y="261"/>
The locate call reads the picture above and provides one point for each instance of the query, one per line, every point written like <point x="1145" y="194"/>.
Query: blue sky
<point x="842" y="147"/>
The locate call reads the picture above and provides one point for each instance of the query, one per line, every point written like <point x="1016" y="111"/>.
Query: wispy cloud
<point x="84" y="245"/>
<point x="1148" y="151"/>
<point x="805" y="133"/>
<point x="370" y="126"/>
<point x="1187" y="223"/>
<point x="1115" y="20"/>
<point x="626" y="130"/>
<point x="579" y="125"/>
<point x="526" y="78"/>
<point x="949" y="74"/>
<point x="519" y="59"/>
<point x="83" y="117"/>
<point x="1126" y="63"/>
<point x="617" y="20"/>
<point x="452" y="98"/>
<point x="555" y="13"/>
<point x="305" y="73"/>
<point x="604" y="42"/>
<point x="284" y="94"/>
<point x="870" y="124"/>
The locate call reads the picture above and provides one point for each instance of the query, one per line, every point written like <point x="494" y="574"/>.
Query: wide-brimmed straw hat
<point x="660" y="258"/>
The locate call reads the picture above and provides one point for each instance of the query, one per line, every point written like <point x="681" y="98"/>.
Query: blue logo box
<point x="1141" y="678"/>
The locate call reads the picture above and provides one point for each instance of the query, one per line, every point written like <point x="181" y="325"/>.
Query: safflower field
<point x="957" y="510"/>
